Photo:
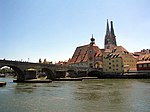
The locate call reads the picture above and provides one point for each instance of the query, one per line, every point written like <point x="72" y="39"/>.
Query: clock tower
<point x="91" y="53"/>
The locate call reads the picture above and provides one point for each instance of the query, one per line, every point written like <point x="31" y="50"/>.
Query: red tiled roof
<point x="120" y="49"/>
<point x="145" y="57"/>
<point x="81" y="54"/>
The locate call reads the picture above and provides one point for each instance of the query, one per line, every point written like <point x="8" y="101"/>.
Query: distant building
<point x="143" y="66"/>
<point x="143" y="63"/>
<point x="142" y="52"/>
<point x="118" y="60"/>
<point x="88" y="55"/>
<point x="110" y="38"/>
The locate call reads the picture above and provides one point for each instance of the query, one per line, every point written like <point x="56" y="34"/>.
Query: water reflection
<point x="24" y="88"/>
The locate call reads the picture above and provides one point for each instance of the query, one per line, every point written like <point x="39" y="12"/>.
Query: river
<point x="98" y="95"/>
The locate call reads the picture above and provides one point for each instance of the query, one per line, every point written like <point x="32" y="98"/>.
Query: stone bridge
<point x="29" y="70"/>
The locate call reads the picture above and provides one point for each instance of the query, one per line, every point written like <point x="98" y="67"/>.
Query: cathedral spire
<point x="110" y="38"/>
<point x="107" y="28"/>
<point x="112" y="29"/>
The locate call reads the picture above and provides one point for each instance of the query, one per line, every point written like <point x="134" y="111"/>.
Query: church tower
<point x="91" y="53"/>
<point x="110" y="38"/>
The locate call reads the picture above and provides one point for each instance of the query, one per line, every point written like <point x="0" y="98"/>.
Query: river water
<point x="99" y="95"/>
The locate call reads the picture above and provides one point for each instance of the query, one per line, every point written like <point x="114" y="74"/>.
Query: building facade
<point x="87" y="56"/>
<point x="143" y="63"/>
<point x="118" y="60"/>
<point x="143" y="66"/>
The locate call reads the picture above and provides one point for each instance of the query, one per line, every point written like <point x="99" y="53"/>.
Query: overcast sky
<point x="52" y="29"/>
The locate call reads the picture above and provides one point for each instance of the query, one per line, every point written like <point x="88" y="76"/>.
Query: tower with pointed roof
<point x="110" y="38"/>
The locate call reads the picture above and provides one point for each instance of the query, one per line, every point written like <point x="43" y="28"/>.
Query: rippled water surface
<point x="99" y="95"/>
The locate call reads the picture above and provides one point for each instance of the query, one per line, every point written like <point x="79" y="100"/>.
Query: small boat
<point x="2" y="84"/>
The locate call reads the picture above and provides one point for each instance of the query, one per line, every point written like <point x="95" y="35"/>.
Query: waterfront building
<point x="118" y="60"/>
<point x="143" y="66"/>
<point x="143" y="63"/>
<point x="110" y="38"/>
<point x="88" y="55"/>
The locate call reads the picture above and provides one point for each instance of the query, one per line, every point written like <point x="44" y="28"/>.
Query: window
<point x="113" y="65"/>
<point x="116" y="60"/>
<point x="112" y="60"/>
<point x="140" y="66"/>
<point x="117" y="65"/>
<point x="145" y="65"/>
<point x="90" y="51"/>
<point x="109" y="67"/>
<point x="116" y="69"/>
<point x="109" y="63"/>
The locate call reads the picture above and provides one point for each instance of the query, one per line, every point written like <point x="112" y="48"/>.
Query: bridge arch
<point x="49" y="73"/>
<point x="19" y="73"/>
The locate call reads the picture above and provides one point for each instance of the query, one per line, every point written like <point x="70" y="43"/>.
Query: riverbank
<point x="67" y="79"/>
<point x="128" y="76"/>
<point x="35" y="81"/>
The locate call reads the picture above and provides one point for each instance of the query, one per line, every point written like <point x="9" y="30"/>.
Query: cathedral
<point x="110" y="38"/>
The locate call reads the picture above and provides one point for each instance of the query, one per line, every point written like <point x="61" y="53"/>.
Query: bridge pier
<point x="60" y="74"/>
<point x="82" y="73"/>
<point x="20" y="77"/>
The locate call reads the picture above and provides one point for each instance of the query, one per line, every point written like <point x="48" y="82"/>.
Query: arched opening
<point x="47" y="73"/>
<point x="13" y="71"/>
<point x="71" y="73"/>
<point x="30" y="73"/>
<point x="94" y="73"/>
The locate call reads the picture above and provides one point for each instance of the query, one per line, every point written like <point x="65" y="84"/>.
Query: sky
<point x="52" y="29"/>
